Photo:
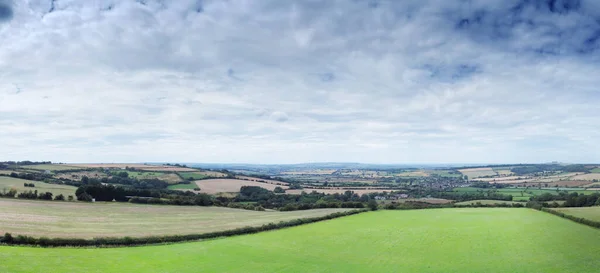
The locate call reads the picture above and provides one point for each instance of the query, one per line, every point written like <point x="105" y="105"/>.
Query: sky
<point x="232" y="81"/>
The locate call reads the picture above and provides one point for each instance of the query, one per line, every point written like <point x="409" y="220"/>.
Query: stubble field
<point x="87" y="220"/>
<point x="436" y="240"/>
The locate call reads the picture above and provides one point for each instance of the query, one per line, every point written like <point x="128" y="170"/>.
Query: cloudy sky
<point x="260" y="81"/>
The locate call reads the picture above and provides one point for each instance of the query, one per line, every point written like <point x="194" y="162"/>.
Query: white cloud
<point x="282" y="82"/>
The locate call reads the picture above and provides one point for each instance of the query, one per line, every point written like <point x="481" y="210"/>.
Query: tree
<point x="372" y="204"/>
<point x="123" y="174"/>
<point x="70" y="198"/>
<point x="278" y="190"/>
<point x="84" y="197"/>
<point x="59" y="197"/>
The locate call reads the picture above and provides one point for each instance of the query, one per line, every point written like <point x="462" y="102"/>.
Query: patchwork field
<point x="144" y="167"/>
<point x="591" y="213"/>
<point x="51" y="167"/>
<point x="477" y="172"/>
<point x="88" y="220"/>
<point x="340" y="191"/>
<point x="588" y="177"/>
<point x="78" y="175"/>
<point x="439" y="240"/>
<point x="7" y="183"/>
<point x="274" y="182"/>
<point x="212" y="186"/>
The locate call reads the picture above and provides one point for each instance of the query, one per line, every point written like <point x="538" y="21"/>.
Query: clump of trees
<point x="29" y="185"/>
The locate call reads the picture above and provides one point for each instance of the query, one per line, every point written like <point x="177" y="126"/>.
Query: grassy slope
<point x="190" y="186"/>
<point x="9" y="182"/>
<point x="591" y="213"/>
<point x="86" y="220"/>
<point x="437" y="240"/>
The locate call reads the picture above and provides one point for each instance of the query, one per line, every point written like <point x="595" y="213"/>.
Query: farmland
<point x="7" y="183"/>
<point x="523" y="194"/>
<point x="170" y="178"/>
<point x="230" y="185"/>
<point x="591" y="213"/>
<point x="478" y="172"/>
<point x="87" y="220"/>
<point x="486" y="202"/>
<point x="52" y="167"/>
<point x="465" y="240"/>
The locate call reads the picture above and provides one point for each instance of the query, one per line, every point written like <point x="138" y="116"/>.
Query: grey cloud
<point x="6" y="10"/>
<point x="387" y="81"/>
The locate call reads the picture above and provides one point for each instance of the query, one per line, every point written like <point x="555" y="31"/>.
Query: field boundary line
<point x="580" y="220"/>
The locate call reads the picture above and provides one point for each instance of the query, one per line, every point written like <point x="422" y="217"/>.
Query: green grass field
<point x="436" y="240"/>
<point x="487" y="202"/>
<point x="50" y="167"/>
<point x="190" y="186"/>
<point x="107" y="219"/>
<point x="194" y="176"/>
<point x="595" y="170"/>
<point x="7" y="183"/>
<point x="591" y="213"/>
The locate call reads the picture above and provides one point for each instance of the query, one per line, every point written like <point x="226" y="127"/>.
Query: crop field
<point x="7" y="183"/>
<point x="212" y="186"/>
<point x="412" y="174"/>
<point x="274" y="182"/>
<point x="438" y="240"/>
<point x="589" y="176"/>
<point x="88" y="220"/>
<point x="51" y="167"/>
<point x="591" y="213"/>
<point x="477" y="172"/>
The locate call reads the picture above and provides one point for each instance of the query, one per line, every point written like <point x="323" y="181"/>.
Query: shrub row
<point x="129" y="241"/>
<point x="573" y="218"/>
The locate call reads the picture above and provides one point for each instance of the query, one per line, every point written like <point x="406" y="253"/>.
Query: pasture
<point x="107" y="219"/>
<point x="7" y="183"/>
<point x="590" y="213"/>
<point x="212" y="186"/>
<point x="437" y="240"/>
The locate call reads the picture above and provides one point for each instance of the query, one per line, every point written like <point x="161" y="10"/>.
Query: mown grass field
<point x="88" y="220"/>
<point x="591" y="213"/>
<point x="7" y="183"/>
<point x="436" y="240"/>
